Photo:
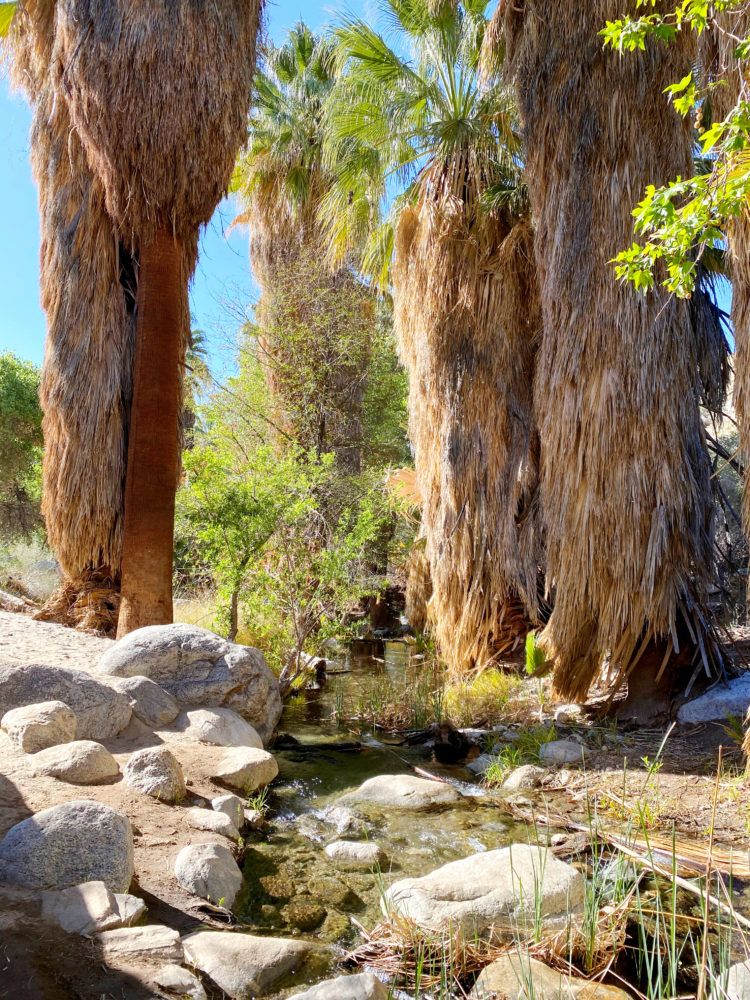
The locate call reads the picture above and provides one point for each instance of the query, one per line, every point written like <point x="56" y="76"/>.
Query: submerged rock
<point x="356" y="854"/>
<point x="69" y="844"/>
<point x="243" y="965"/>
<point x="156" y="771"/>
<point x="499" y="891"/>
<point x="82" y="762"/>
<point x="364" y="986"/>
<point x="209" y="871"/>
<point x="36" y="727"/>
<point x="516" y="976"/>
<point x="100" y="711"/>
<point x="198" y="669"/>
<point x="403" y="791"/>
<point x="303" y="913"/>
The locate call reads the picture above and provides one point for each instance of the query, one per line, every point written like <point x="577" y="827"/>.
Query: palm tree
<point x="315" y="323"/>
<point x="465" y="299"/>
<point x="625" y="477"/>
<point x="140" y="87"/>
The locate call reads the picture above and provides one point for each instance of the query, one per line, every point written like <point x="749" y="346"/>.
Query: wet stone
<point x="303" y="913"/>
<point x="332" y="890"/>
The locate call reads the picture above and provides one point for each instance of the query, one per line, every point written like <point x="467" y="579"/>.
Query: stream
<point x="291" y="887"/>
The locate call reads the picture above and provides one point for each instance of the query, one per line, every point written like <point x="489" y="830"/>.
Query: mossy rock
<point x="336" y="927"/>
<point x="303" y="913"/>
<point x="333" y="891"/>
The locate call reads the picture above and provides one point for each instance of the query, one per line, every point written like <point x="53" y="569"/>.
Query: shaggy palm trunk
<point x="153" y="447"/>
<point x="624" y="472"/>
<point x="465" y="295"/>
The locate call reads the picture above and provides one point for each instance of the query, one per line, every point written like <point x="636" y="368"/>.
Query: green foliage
<point x="685" y="221"/>
<point x="525" y="750"/>
<point x="20" y="447"/>
<point x="395" y="123"/>
<point x="7" y="10"/>
<point x="535" y="658"/>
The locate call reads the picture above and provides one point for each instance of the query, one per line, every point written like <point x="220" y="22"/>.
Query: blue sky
<point x="222" y="287"/>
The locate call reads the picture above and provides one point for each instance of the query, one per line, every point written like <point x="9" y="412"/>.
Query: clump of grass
<point x="412" y="702"/>
<point x="491" y="697"/>
<point x="525" y="750"/>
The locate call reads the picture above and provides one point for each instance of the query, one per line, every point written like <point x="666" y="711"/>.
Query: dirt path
<point x="23" y="640"/>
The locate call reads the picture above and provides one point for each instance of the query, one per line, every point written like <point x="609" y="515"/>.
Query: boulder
<point x="150" y="703"/>
<point x="364" y="986"/>
<point x="133" y="945"/>
<point x="243" y="965"/>
<point x="82" y="762"/>
<point x="403" y="791"/>
<point x="101" y="712"/>
<point x="209" y="871"/>
<point x="66" y="845"/>
<point x="36" y="727"/>
<point x="493" y="892"/>
<point x="245" y="769"/>
<point x="180" y="982"/>
<point x="723" y="700"/>
<point x="198" y="668"/>
<point x="734" y="984"/>
<point x="516" y="976"/>
<point x="155" y="771"/>
<point x="561" y="752"/>
<point x="91" y="907"/>
<point x="355" y="854"/>
<point x="211" y="821"/>
<point x="219" y="727"/>
<point x="232" y="806"/>
<point x="524" y="778"/>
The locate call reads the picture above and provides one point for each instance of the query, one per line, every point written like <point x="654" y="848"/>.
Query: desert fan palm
<point x="624" y="473"/>
<point x="465" y="299"/>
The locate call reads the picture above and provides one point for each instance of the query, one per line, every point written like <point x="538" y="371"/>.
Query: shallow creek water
<point x="291" y="887"/>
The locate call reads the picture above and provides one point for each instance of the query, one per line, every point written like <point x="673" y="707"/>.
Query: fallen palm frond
<point x="625" y="477"/>
<point x="90" y="604"/>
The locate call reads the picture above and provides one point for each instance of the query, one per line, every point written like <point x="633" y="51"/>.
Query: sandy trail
<point x="23" y="640"/>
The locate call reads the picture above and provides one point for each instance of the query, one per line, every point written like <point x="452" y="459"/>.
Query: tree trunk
<point x="153" y="446"/>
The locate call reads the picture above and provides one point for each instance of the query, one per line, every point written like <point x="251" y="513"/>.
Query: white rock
<point x="232" y="806"/>
<point x="355" y="854"/>
<point x="734" y="984"/>
<point x="213" y="822"/>
<point x="130" y="909"/>
<point x="209" y="871"/>
<point x="150" y="703"/>
<point x="81" y="762"/>
<point x="245" y="769"/>
<point x="492" y="891"/>
<point x="150" y="942"/>
<point x="101" y="712"/>
<point x="181" y="982"/>
<point x="156" y="771"/>
<point x="723" y="700"/>
<point x="82" y="909"/>
<point x="66" y="845"/>
<point x="403" y="791"/>
<point x="220" y="727"/>
<point x="243" y="965"/>
<point x="561" y="752"/>
<point x="364" y="986"/>
<point x="516" y="976"/>
<point x="198" y="668"/>
<point x="524" y="778"/>
<point x="567" y="714"/>
<point x="36" y="727"/>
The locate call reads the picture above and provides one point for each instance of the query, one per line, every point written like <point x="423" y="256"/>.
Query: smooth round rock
<point x="66" y="845"/>
<point x="364" y="986"/>
<point x="404" y="791"/>
<point x="246" y="769"/>
<point x="524" y="778"/>
<point x="82" y="762"/>
<point x="155" y="771"/>
<point x="232" y="806"/>
<point x="355" y="854"/>
<point x="36" y="727"/>
<point x="561" y="752"/>
<point x="243" y="965"/>
<point x="209" y="871"/>
<point x="150" y="703"/>
<point x="212" y="822"/>
<point x="219" y="727"/>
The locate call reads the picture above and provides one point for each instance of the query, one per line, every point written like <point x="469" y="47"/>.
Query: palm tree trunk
<point x="153" y="446"/>
<point x="625" y="478"/>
